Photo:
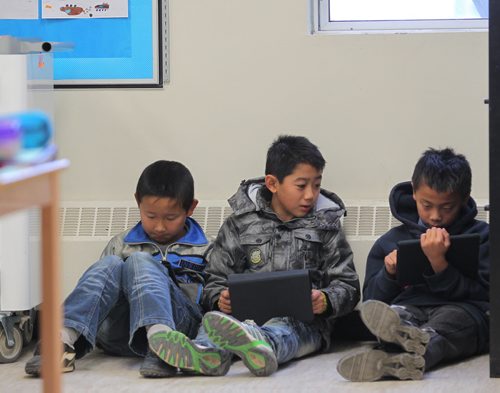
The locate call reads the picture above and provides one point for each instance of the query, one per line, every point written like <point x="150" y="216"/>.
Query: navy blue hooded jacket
<point x="447" y="287"/>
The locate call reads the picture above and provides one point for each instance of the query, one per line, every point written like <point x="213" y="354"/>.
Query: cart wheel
<point x="27" y="330"/>
<point x="10" y="354"/>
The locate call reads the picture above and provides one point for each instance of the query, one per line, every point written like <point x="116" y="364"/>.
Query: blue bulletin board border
<point x="114" y="52"/>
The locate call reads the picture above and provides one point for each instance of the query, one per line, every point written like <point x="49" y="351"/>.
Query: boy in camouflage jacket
<point x="284" y="221"/>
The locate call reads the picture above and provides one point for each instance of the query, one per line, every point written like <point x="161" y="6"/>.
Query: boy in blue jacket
<point x="447" y="317"/>
<point x="149" y="278"/>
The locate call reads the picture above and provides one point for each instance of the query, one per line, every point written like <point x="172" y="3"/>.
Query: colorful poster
<point x="18" y="9"/>
<point x="77" y="9"/>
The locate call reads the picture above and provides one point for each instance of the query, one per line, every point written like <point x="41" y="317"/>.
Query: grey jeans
<point x="455" y="334"/>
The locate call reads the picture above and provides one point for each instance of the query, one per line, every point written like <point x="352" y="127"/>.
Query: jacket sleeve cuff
<point x="387" y="278"/>
<point x="329" y="309"/>
<point x="444" y="278"/>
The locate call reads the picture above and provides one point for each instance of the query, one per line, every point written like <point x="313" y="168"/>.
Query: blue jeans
<point x="289" y="338"/>
<point x="114" y="301"/>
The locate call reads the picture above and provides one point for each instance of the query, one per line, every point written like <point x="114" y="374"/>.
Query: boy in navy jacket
<point x="445" y="318"/>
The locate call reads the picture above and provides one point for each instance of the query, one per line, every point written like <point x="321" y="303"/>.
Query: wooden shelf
<point x="39" y="186"/>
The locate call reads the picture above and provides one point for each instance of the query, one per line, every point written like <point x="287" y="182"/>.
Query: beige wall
<point x="243" y="72"/>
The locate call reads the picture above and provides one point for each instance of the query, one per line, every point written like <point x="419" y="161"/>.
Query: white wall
<point x="243" y="72"/>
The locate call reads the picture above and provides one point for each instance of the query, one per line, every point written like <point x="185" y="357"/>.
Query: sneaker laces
<point x="255" y="331"/>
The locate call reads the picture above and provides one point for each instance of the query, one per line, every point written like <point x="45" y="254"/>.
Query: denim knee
<point x="139" y="264"/>
<point x="108" y="263"/>
<point x="138" y="258"/>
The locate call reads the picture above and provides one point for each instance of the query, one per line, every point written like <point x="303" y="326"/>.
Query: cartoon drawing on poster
<point x="64" y="9"/>
<point x="18" y="9"/>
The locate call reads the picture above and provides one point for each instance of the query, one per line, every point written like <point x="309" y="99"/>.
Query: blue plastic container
<point x="36" y="129"/>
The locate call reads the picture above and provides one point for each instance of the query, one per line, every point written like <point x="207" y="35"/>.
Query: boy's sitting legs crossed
<point x="283" y="221"/>
<point x="145" y="280"/>
<point x="446" y="317"/>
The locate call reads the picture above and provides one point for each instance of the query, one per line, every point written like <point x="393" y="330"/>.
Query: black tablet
<point x="412" y="265"/>
<point x="262" y="296"/>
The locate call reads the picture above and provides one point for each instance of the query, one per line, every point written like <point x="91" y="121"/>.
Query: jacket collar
<point x="194" y="234"/>
<point x="253" y="196"/>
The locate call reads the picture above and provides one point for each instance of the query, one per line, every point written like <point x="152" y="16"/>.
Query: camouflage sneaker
<point x="373" y="365"/>
<point x="34" y="365"/>
<point x="385" y="323"/>
<point x="177" y="350"/>
<point x="154" y="367"/>
<point x="243" y="339"/>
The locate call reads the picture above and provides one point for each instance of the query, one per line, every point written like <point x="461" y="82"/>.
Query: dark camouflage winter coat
<point x="254" y="239"/>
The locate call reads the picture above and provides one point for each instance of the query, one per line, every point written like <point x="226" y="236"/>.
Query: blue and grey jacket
<point x="255" y="239"/>
<point x="185" y="259"/>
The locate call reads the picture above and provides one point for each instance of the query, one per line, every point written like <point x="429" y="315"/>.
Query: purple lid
<point x="9" y="130"/>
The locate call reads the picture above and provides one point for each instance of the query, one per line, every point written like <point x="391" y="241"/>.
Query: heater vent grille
<point x="101" y="220"/>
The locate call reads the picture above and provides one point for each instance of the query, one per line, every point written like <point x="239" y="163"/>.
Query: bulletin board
<point x="105" y="52"/>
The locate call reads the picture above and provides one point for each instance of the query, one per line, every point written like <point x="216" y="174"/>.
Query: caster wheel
<point x="27" y="331"/>
<point x="10" y="354"/>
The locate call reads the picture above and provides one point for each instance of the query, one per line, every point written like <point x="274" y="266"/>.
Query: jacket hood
<point x="404" y="208"/>
<point x="253" y="196"/>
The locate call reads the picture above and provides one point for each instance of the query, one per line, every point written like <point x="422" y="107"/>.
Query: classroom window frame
<point x="320" y="23"/>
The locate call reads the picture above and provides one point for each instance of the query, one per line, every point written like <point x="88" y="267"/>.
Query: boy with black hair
<point x="149" y="278"/>
<point x="447" y="317"/>
<point x="283" y="221"/>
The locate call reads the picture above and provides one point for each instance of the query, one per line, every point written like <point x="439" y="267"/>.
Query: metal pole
<point x="494" y="177"/>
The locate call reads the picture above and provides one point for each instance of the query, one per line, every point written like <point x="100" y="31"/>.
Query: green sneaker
<point x="177" y="350"/>
<point x="243" y="339"/>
